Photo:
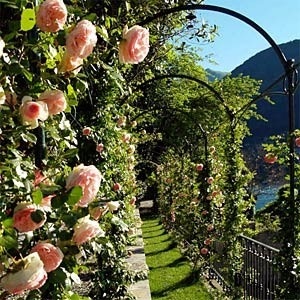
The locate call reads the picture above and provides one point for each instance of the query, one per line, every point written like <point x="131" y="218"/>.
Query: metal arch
<point x="200" y="82"/>
<point x="226" y="11"/>
<point x="290" y="82"/>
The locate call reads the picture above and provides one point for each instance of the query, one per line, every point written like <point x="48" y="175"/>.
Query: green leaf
<point x="37" y="196"/>
<point x="103" y="33"/>
<point x="8" y="242"/>
<point x="28" y="137"/>
<point x="27" y="19"/>
<point x="74" y="195"/>
<point x="66" y="235"/>
<point x="57" y="276"/>
<point x="8" y="223"/>
<point x="49" y="189"/>
<point x="58" y="201"/>
<point x="27" y="74"/>
<point x="70" y="153"/>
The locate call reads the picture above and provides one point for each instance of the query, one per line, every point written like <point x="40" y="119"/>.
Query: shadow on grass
<point x="185" y="282"/>
<point x="163" y="240"/>
<point x="151" y="235"/>
<point x="167" y="248"/>
<point x="176" y="263"/>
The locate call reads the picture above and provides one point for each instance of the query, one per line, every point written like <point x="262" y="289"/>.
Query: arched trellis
<point x="291" y="78"/>
<point x="232" y="188"/>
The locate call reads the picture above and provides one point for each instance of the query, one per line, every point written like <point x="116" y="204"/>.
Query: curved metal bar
<point x="200" y="82"/>
<point x="226" y="11"/>
<point x="292" y="82"/>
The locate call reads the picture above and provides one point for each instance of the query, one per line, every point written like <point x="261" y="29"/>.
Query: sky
<point x="237" y="41"/>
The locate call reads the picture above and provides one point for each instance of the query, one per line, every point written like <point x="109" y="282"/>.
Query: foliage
<point x="287" y="210"/>
<point x="203" y="212"/>
<point x="29" y="66"/>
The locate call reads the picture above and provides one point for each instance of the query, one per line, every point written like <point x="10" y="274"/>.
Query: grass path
<point x="170" y="277"/>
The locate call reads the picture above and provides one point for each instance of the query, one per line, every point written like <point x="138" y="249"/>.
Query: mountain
<point x="266" y="66"/>
<point x="212" y="74"/>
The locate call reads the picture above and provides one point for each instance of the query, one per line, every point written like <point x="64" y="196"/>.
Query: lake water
<point x="265" y="196"/>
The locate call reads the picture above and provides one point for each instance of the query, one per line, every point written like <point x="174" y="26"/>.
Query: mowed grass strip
<point x="170" y="274"/>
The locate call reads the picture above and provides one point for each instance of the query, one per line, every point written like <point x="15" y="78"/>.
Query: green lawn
<point x="170" y="277"/>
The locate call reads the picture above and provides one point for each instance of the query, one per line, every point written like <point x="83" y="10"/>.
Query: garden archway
<point x="290" y="284"/>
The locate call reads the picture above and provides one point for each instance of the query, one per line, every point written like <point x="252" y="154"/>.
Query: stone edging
<point x="137" y="262"/>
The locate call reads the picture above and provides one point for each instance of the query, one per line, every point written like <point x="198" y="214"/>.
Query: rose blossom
<point x="81" y="41"/>
<point x="131" y="149"/>
<point x="2" y="45"/>
<point x="210" y="180"/>
<point x="46" y="202"/>
<point x="270" y="158"/>
<point x="30" y="275"/>
<point x="199" y="167"/>
<point x="134" y="46"/>
<point x="86" y="130"/>
<point x="50" y="255"/>
<point x="113" y="205"/>
<point x="51" y="15"/>
<point x="55" y="100"/>
<point x="126" y="137"/>
<point x="97" y="212"/>
<point x="86" y="229"/>
<point x="32" y="111"/>
<point x="70" y="64"/>
<point x="89" y="178"/>
<point x="100" y="147"/>
<point x="116" y="186"/>
<point x="132" y="200"/>
<point x="38" y="177"/>
<point x="22" y="220"/>
<point x="2" y="93"/>
<point x="121" y="121"/>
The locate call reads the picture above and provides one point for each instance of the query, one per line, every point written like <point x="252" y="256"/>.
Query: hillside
<point x="266" y="66"/>
<point x="213" y="75"/>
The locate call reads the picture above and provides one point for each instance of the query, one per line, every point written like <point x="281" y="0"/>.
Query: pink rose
<point x="199" y="167"/>
<point x="212" y="149"/>
<point x="132" y="200"/>
<point x="22" y="220"/>
<point x="121" y="121"/>
<point x="70" y="64"/>
<point x="32" y="111"/>
<point x="100" y="147"/>
<point x="131" y="149"/>
<point x="51" y="15"/>
<point x="2" y="45"/>
<point x="86" y="130"/>
<point x="210" y="180"/>
<point x="97" y="212"/>
<point x="126" y="137"/>
<point x="29" y="275"/>
<point x="113" y="205"/>
<point x="270" y="158"/>
<point x="50" y="255"/>
<point x="38" y="177"/>
<point x="55" y="101"/>
<point x="89" y="178"/>
<point x="81" y="40"/>
<point x="46" y="202"/>
<point x="85" y="230"/>
<point x="134" y="46"/>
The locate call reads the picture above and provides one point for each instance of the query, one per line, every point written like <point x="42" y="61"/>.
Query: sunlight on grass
<point x="170" y="277"/>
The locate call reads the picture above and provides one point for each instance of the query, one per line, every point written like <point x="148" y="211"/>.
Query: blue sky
<point x="237" y="41"/>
